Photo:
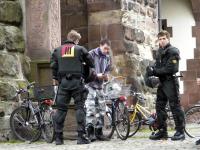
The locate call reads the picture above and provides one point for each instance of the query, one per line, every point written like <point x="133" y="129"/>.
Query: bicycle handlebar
<point x="23" y="90"/>
<point x="112" y="79"/>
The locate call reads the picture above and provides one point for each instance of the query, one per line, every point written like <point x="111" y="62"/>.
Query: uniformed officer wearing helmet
<point x="165" y="67"/>
<point x="68" y="71"/>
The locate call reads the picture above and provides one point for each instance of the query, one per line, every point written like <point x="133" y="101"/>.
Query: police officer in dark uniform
<point x="68" y="72"/>
<point x="165" y="67"/>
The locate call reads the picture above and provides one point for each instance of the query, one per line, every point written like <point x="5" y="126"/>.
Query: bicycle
<point x="192" y="121"/>
<point x="139" y="116"/>
<point x="116" y="116"/>
<point x="29" y="121"/>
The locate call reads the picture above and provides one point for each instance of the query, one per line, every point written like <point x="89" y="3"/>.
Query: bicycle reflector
<point x="122" y="98"/>
<point x="48" y="102"/>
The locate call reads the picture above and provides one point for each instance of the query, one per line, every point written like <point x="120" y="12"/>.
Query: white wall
<point x="179" y="16"/>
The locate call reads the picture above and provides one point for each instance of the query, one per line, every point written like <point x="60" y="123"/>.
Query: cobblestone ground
<point x="138" y="142"/>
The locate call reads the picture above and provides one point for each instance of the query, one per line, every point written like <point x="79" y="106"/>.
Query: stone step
<point x="194" y="98"/>
<point x="193" y="64"/>
<point x="184" y="101"/>
<point x="189" y="75"/>
<point x="189" y="99"/>
<point x="191" y="86"/>
<point x="197" y="53"/>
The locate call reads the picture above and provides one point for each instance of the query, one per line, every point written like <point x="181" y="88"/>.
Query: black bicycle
<point x="31" y="120"/>
<point x="116" y="116"/>
<point x="192" y="121"/>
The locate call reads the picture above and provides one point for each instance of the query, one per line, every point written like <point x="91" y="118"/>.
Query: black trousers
<point x="168" y="91"/>
<point x="64" y="96"/>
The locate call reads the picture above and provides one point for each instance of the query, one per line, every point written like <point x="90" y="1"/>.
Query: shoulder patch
<point x="174" y="61"/>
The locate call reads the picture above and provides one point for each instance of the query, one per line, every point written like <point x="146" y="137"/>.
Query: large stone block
<point x="152" y="3"/>
<point x="7" y="91"/>
<point x="14" y="39"/>
<point x="133" y="6"/>
<point x="131" y="47"/>
<point x="115" y="32"/>
<point x="77" y="20"/>
<point x="140" y="1"/>
<point x="139" y="34"/>
<point x="197" y="53"/>
<point x="10" y="12"/>
<point x="104" y="17"/>
<point x="94" y="33"/>
<point x="134" y="34"/>
<point x="102" y="5"/>
<point x="117" y="47"/>
<point x="189" y="75"/>
<point x="129" y="34"/>
<point x="8" y="65"/>
<point x="193" y="64"/>
<point x="2" y="37"/>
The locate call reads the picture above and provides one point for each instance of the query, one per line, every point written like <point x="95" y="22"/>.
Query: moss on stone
<point x="10" y="12"/>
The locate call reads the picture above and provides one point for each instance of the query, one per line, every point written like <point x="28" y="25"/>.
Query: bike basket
<point x="44" y="92"/>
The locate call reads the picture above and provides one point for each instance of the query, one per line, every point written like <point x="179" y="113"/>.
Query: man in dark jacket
<point x="67" y="68"/>
<point x="95" y="103"/>
<point x="166" y="65"/>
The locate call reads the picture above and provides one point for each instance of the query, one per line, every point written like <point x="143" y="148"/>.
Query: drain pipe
<point x="159" y="17"/>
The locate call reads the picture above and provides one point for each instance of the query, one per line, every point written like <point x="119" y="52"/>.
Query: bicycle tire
<point x="192" y="122"/>
<point x="108" y="128"/>
<point x="135" y="124"/>
<point x="23" y="125"/>
<point x="48" y="132"/>
<point x="122" y="118"/>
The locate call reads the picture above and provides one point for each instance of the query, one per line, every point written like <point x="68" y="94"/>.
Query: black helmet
<point x="151" y="81"/>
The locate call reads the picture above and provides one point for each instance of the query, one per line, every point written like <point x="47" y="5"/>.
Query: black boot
<point x="90" y="132"/>
<point x="179" y="135"/>
<point x="197" y="142"/>
<point x="59" y="138"/>
<point x="82" y="139"/>
<point x="161" y="134"/>
<point x="100" y="136"/>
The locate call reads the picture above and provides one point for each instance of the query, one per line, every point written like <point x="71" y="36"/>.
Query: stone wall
<point x="14" y="65"/>
<point x="132" y="26"/>
<point x="140" y="26"/>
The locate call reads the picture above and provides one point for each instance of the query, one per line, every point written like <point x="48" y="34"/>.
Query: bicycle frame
<point x="141" y="110"/>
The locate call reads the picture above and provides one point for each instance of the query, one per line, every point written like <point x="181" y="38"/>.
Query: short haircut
<point x="105" y="41"/>
<point x="163" y="33"/>
<point x="73" y="35"/>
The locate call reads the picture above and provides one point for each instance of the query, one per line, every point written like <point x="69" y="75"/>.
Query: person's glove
<point x="150" y="71"/>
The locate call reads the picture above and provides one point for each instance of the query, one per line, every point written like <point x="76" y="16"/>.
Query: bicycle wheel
<point x="48" y="128"/>
<point x="24" y="125"/>
<point x="192" y="121"/>
<point x="135" y="123"/>
<point x="122" y="121"/>
<point x="108" y="128"/>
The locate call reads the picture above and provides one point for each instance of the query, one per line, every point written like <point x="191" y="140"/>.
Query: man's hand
<point x="102" y="76"/>
<point x="55" y="82"/>
<point x="150" y="70"/>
